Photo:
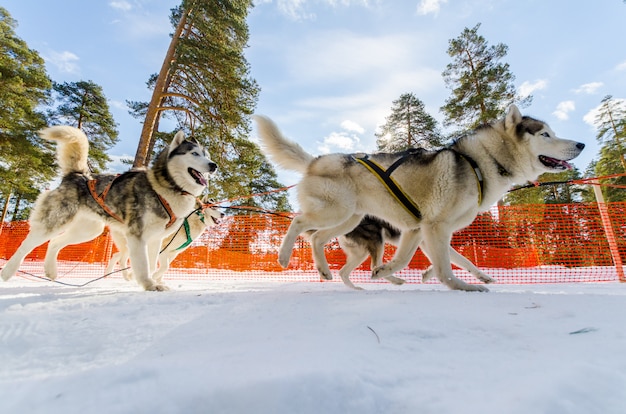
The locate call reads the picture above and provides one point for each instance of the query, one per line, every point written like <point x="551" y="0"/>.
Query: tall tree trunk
<point x="153" y="113"/>
<point x="5" y="209"/>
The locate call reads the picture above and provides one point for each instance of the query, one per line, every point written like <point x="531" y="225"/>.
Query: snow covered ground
<point x="271" y="347"/>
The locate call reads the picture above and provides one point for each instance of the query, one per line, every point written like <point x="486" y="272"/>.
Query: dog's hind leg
<point x="409" y="242"/>
<point x="79" y="231"/>
<point x="438" y="250"/>
<point x="297" y="227"/>
<point x="121" y="256"/>
<point x="321" y="237"/>
<point x="35" y="237"/>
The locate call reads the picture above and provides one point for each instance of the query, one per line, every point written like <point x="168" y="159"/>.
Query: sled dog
<point x="144" y="205"/>
<point x="436" y="192"/>
<point x="204" y="216"/>
<point x="369" y="238"/>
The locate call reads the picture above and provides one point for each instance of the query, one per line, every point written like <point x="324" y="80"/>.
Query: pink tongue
<point x="565" y="164"/>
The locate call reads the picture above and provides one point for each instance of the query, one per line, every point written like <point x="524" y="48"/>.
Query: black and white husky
<point x="206" y="215"/>
<point x="144" y="205"/>
<point x="440" y="191"/>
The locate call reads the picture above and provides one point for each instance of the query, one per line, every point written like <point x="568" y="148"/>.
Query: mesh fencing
<point x="544" y="243"/>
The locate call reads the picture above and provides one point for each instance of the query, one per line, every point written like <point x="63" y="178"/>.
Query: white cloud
<point x="121" y="5"/>
<point x="338" y="142"/>
<point x="527" y="88"/>
<point x="430" y="6"/>
<point x="352" y="127"/>
<point x="297" y="9"/>
<point x="66" y="62"/>
<point x="621" y="66"/>
<point x="589" y="88"/>
<point x="563" y="109"/>
<point x="340" y="54"/>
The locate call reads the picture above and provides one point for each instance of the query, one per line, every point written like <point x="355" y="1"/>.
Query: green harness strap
<point x="188" y="231"/>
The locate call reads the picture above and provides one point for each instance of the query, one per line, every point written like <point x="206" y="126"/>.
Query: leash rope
<point x="582" y="181"/>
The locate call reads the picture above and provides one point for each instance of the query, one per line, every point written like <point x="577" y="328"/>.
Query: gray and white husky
<point x="144" y="205"/>
<point x="444" y="190"/>
<point x="204" y="216"/>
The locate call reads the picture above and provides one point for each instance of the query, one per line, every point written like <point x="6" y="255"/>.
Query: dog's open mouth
<point x="197" y="176"/>
<point x="555" y="164"/>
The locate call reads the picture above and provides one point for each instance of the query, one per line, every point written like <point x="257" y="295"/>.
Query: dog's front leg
<point x="459" y="260"/>
<point x="138" y="250"/>
<point x="437" y="242"/>
<point x="409" y="242"/>
<point x="78" y="232"/>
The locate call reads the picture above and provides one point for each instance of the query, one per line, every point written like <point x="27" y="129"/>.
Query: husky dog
<point x="144" y="205"/>
<point x="442" y="191"/>
<point x="366" y="239"/>
<point x="369" y="238"/>
<point x="204" y="216"/>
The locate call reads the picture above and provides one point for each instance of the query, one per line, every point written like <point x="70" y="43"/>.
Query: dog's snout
<point x="580" y="146"/>
<point x="212" y="167"/>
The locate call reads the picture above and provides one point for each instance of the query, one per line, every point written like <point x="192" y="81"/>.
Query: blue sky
<point x="330" y="69"/>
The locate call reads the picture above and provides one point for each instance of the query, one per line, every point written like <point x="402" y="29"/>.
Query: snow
<point x="306" y="347"/>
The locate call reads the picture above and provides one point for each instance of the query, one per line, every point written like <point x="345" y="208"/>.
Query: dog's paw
<point x="485" y="279"/>
<point x="283" y="259"/>
<point x="51" y="275"/>
<point x="5" y="274"/>
<point x="325" y="274"/>
<point x="156" y="288"/>
<point x="427" y="275"/>
<point x="382" y="271"/>
<point x="395" y="280"/>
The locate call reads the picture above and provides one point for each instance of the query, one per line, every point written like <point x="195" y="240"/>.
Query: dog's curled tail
<point x="72" y="148"/>
<point x="284" y="152"/>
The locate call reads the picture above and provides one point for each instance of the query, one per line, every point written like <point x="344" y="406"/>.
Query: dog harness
<point x="188" y="230"/>
<point x="394" y="188"/>
<point x="100" y="199"/>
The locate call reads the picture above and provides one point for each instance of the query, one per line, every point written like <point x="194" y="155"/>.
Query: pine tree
<point x="408" y="126"/>
<point x="205" y="75"/>
<point x="482" y="86"/>
<point x="205" y="85"/>
<point x="83" y="105"/>
<point x="24" y="86"/>
<point x="611" y="124"/>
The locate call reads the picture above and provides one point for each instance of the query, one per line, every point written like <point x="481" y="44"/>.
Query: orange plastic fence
<point x="514" y="244"/>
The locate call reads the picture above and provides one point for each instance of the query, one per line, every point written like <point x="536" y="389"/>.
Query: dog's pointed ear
<point x="178" y="139"/>
<point x="513" y="117"/>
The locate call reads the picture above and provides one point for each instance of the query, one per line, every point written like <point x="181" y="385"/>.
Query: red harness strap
<point x="100" y="199"/>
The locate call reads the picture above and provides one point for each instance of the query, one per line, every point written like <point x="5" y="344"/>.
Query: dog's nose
<point x="580" y="146"/>
<point x="212" y="167"/>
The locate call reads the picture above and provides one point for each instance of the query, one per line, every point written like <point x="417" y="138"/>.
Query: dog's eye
<point x="545" y="134"/>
